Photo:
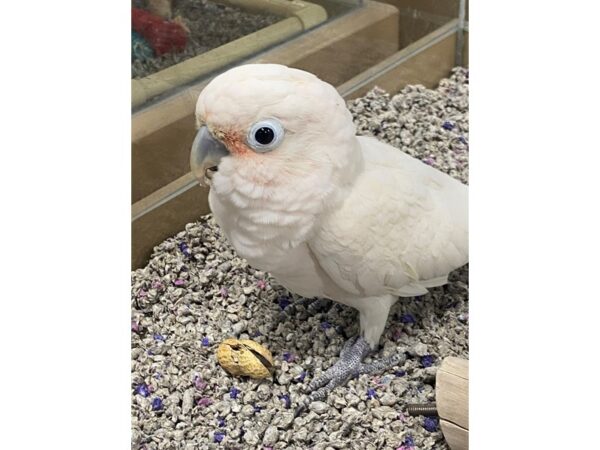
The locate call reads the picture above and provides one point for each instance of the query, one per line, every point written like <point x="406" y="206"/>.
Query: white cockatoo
<point x="329" y="214"/>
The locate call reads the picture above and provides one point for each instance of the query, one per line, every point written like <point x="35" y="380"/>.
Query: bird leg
<point x="349" y="365"/>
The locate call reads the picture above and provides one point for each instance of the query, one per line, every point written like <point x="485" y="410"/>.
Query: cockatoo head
<point x="268" y="128"/>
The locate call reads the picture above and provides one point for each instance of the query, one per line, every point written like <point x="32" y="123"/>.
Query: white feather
<point x="402" y="228"/>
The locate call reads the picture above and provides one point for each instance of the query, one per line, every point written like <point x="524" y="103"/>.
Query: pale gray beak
<point x="205" y="156"/>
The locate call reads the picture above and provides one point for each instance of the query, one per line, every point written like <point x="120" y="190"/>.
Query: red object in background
<point x="162" y="35"/>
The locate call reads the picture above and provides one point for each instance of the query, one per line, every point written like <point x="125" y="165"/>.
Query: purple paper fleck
<point x="205" y="341"/>
<point x="199" y="383"/>
<point x="427" y="360"/>
<point x="407" y="318"/>
<point x="157" y="404"/>
<point x="430" y="424"/>
<point x="224" y="292"/>
<point x="286" y="399"/>
<point x="143" y="390"/>
<point x="289" y="357"/>
<point x="261" y="284"/>
<point x="185" y="249"/>
<point x="233" y="392"/>
<point x="219" y="435"/>
<point x="135" y="326"/>
<point x="301" y="376"/>
<point x="221" y="421"/>
<point x="448" y="126"/>
<point x="325" y="325"/>
<point x="400" y="373"/>
<point x="408" y="444"/>
<point x="371" y="394"/>
<point x="159" y="337"/>
<point x="205" y="401"/>
<point x="179" y="282"/>
<point x="283" y="302"/>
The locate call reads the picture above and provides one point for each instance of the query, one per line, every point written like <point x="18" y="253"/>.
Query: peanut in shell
<point x="245" y="357"/>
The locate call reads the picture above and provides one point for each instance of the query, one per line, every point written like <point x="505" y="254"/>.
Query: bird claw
<point x="348" y="365"/>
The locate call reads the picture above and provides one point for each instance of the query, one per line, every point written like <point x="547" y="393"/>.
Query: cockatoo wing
<point x="401" y="229"/>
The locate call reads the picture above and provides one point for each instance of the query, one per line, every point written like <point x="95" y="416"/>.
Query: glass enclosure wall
<point x="178" y="42"/>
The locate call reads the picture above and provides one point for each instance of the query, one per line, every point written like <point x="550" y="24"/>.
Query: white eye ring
<point x="262" y="131"/>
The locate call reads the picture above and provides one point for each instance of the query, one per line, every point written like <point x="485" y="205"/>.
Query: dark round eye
<point x="264" y="135"/>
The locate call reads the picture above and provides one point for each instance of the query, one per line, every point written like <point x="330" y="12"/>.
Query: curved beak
<point x="205" y="156"/>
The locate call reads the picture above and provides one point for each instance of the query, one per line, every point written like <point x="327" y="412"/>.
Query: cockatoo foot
<point x="349" y="365"/>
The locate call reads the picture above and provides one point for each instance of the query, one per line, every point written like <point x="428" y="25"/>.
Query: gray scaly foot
<point x="349" y="365"/>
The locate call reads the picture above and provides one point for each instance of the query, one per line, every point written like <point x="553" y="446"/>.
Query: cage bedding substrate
<point x="195" y="292"/>
<point x="211" y="25"/>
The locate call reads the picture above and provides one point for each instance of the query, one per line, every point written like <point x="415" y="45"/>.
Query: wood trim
<point x="456" y="437"/>
<point x="163" y="195"/>
<point x="452" y="401"/>
<point x="452" y="391"/>
<point x="161" y="216"/>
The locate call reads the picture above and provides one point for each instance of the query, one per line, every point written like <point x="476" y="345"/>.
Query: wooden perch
<point x="452" y="401"/>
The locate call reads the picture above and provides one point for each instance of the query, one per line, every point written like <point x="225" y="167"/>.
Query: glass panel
<point x="178" y="42"/>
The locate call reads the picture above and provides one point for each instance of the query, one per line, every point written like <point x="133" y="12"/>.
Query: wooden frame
<point x="452" y="401"/>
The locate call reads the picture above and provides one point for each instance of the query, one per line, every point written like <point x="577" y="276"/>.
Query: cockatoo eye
<point x="265" y="135"/>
